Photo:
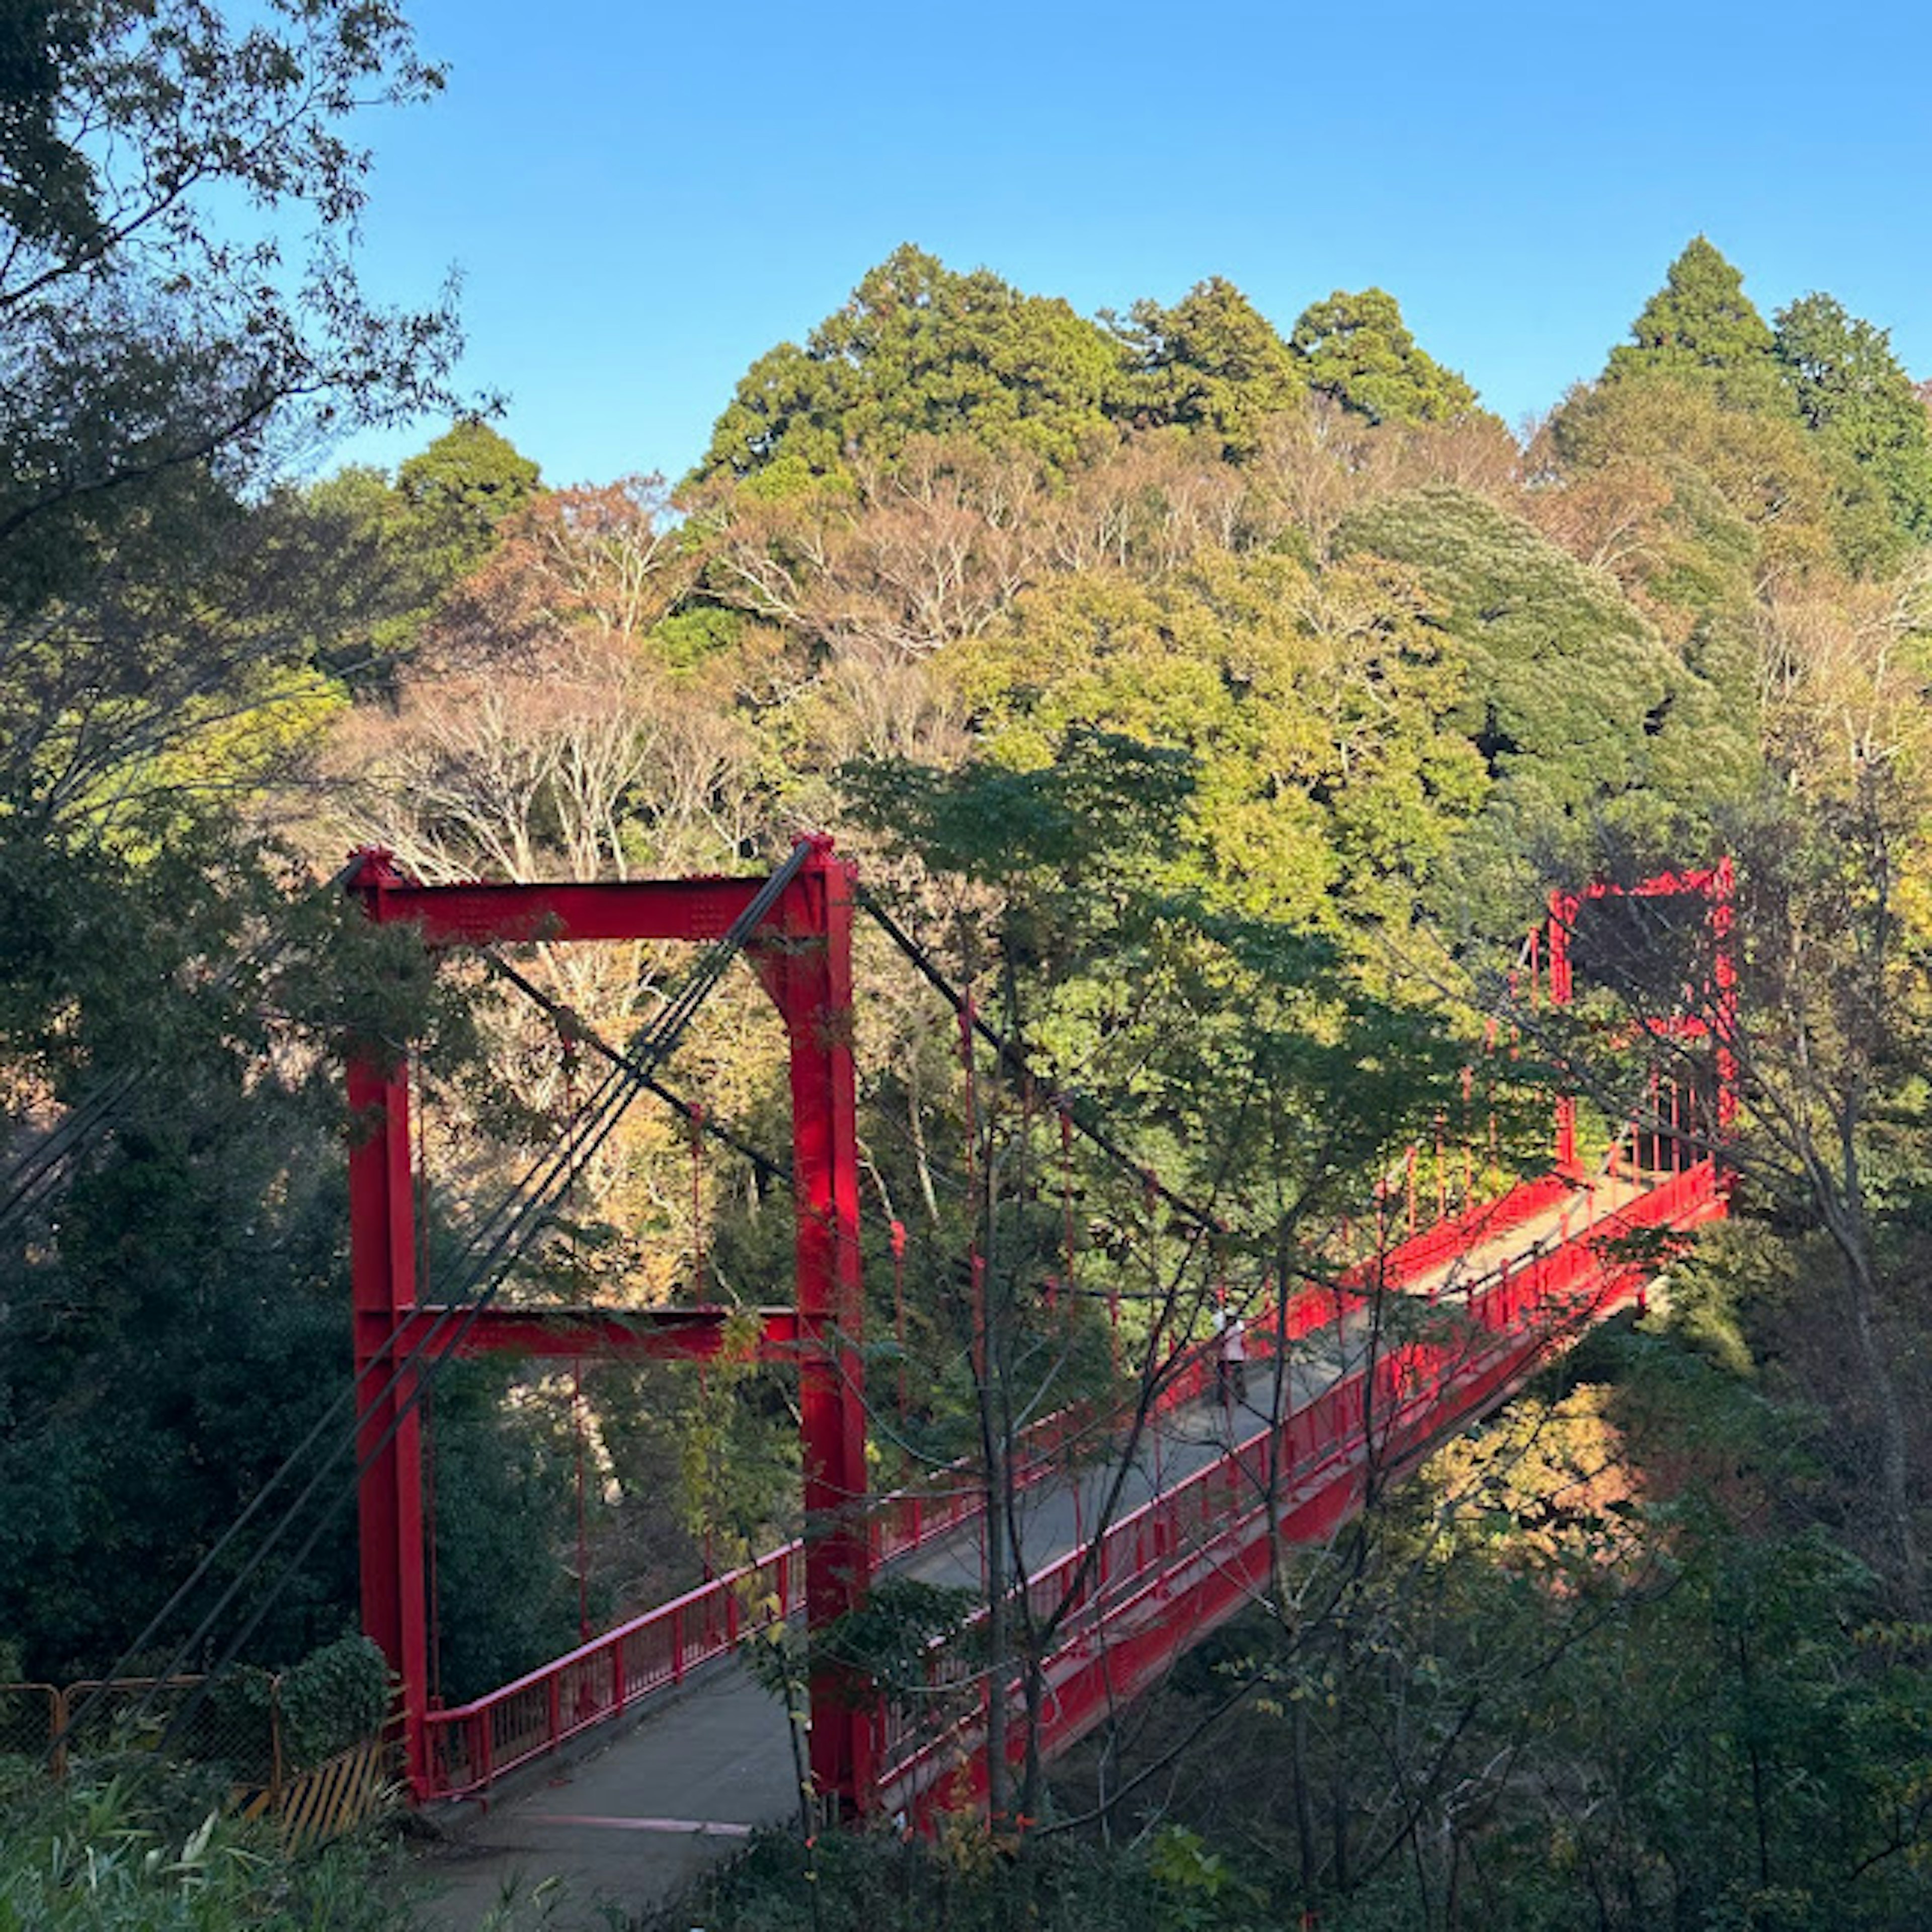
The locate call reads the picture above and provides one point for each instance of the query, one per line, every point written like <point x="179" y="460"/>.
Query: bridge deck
<point x="629" y="1821"/>
<point x="683" y="1784"/>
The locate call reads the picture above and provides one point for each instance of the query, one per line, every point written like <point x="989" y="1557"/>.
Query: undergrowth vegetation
<point x="150" y="1851"/>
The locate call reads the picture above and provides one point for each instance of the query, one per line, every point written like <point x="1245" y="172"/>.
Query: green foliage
<point x="1588" y="725"/>
<point x="1202" y="1892"/>
<point x="1213" y="362"/>
<point x="372" y="559"/>
<point x="736" y="1451"/>
<point x="888" y="1639"/>
<point x="175" y="1316"/>
<point x="159" y="1857"/>
<point x="1702" y="328"/>
<point x="1751" y="496"/>
<point x="1851" y="389"/>
<point x="148" y="336"/>
<point x="334" y="1697"/>
<point x="1311" y="716"/>
<point x="1589" y="1671"/>
<point x="48" y="187"/>
<point x="919" y="349"/>
<point x="505" y="1485"/>
<point x="968" y="1882"/>
<point x="1356" y="348"/>
<point x="687" y="638"/>
<point x="463" y="486"/>
<point x="1104" y="799"/>
<point x="1813" y="434"/>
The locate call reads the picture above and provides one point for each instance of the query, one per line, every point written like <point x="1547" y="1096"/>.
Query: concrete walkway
<point x="656" y="1797"/>
<point x="581" y="1842"/>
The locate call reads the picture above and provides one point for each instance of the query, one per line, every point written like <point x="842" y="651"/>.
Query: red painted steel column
<point x="1562" y="917"/>
<point x="808" y="974"/>
<point x="1724" y="972"/>
<point x="383" y="1267"/>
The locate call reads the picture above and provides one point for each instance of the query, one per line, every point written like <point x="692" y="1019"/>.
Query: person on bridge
<point x="1232" y="1361"/>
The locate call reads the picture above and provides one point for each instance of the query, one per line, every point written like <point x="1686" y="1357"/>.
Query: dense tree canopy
<point x="920" y="350"/>
<point x="1850" y="388"/>
<point x="1589" y="726"/>
<point x="1225" y="703"/>
<point x="369" y="559"/>
<point x="1212" y="362"/>
<point x="142" y="338"/>
<point x="1701" y="327"/>
<point x="1358" y="349"/>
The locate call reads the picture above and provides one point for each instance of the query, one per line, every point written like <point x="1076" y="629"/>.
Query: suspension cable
<point x="486" y="1274"/>
<point x="1014" y="1053"/>
<point x="580" y="1029"/>
<point x="29" y="1177"/>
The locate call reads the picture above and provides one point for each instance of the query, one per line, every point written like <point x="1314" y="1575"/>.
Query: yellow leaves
<point x="1311" y="702"/>
<point x="1546" y="1487"/>
<point x="233" y="743"/>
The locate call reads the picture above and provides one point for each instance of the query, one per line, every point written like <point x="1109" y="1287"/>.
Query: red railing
<point x="1158" y="1580"/>
<point x="472" y="1744"/>
<point x="477" y="1742"/>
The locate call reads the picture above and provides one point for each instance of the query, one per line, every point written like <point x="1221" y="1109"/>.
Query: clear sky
<point x="643" y="199"/>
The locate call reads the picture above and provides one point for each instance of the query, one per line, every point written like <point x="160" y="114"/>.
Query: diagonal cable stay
<point x="493" y="1250"/>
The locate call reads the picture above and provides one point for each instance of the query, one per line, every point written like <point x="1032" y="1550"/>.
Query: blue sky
<point x="642" y="200"/>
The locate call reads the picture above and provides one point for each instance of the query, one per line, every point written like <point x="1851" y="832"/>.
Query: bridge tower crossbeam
<point x="1709" y="1008"/>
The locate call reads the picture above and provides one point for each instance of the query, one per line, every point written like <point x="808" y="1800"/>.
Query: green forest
<point x="1220" y="697"/>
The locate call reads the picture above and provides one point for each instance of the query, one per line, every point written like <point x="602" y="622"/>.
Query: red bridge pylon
<point x="801" y="952"/>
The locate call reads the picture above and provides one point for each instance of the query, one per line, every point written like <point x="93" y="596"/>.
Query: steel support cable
<point x="493" y="1269"/>
<point x="665" y="1034"/>
<point x="567" y="1018"/>
<point x="605" y="1108"/>
<point x="342" y="1401"/>
<point x="490" y="1272"/>
<point x="25" y="1181"/>
<point x="331" y="1417"/>
<point x="1013" y="1055"/>
<point x="491" y="1253"/>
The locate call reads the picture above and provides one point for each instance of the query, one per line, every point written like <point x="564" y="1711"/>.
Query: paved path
<point x="682" y="1784"/>
<point x="631" y="1818"/>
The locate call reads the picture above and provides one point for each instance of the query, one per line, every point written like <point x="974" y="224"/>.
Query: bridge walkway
<point x="631" y="1819"/>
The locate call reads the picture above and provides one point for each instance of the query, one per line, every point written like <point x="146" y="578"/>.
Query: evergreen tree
<point x="1356" y="348"/>
<point x="1587" y="721"/>
<point x="462" y="487"/>
<point x="1214" y="362"/>
<point x="1849" y="388"/>
<point x="371" y="559"/>
<point x="1701" y="327"/>
<point x="920" y="350"/>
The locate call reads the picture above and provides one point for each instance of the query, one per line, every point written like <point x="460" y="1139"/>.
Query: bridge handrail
<point x="704" y="1622"/>
<point x="1418" y="1382"/>
<point x="471" y="1745"/>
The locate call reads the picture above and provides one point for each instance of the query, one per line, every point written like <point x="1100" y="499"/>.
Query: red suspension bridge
<point x="1386" y="1359"/>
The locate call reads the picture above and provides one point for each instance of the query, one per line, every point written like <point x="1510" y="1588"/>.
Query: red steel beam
<point x="802" y="956"/>
<point x="388" y="1433"/>
<point x="666" y="1334"/>
<point x="806" y="969"/>
<point x="478" y="915"/>
<point x="1716" y="885"/>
